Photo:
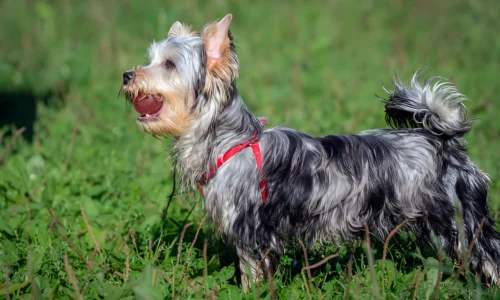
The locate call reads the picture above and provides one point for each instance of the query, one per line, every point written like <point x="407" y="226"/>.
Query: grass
<point x="83" y="205"/>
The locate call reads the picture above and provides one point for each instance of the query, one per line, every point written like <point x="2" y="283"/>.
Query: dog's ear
<point x="217" y="41"/>
<point x="179" y="29"/>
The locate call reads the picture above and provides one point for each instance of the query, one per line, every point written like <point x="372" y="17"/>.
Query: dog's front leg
<point x="248" y="266"/>
<point x="259" y="264"/>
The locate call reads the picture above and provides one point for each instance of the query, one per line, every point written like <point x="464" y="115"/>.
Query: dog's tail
<point x="435" y="106"/>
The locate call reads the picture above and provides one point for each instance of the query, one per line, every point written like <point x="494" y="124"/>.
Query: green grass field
<point x="83" y="204"/>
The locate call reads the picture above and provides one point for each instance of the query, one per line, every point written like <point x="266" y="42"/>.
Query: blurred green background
<point x="314" y="66"/>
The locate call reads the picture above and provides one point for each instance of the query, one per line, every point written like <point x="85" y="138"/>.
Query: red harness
<point x="255" y="145"/>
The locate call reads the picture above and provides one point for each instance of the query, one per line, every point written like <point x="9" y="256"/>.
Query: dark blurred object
<point x="18" y="109"/>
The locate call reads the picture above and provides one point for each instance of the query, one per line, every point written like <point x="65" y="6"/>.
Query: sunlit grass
<point x="86" y="197"/>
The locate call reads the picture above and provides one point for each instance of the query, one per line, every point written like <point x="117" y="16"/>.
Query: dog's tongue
<point x="147" y="105"/>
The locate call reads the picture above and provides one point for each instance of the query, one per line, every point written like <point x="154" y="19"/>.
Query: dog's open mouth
<point x="148" y="105"/>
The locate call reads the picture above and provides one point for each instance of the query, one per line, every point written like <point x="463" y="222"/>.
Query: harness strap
<point x="255" y="145"/>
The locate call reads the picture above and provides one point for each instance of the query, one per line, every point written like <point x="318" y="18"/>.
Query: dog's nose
<point x="127" y="76"/>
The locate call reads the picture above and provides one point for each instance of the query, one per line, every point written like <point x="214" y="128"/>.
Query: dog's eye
<point x="169" y="64"/>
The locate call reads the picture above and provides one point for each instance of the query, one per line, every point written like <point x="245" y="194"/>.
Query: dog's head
<point x="187" y="76"/>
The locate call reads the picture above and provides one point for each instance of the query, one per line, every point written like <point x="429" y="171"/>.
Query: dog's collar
<point x="255" y="145"/>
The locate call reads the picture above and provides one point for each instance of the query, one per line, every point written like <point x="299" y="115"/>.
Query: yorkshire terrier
<point x="265" y="188"/>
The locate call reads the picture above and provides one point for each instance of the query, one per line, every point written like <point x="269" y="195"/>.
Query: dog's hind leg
<point x="439" y="218"/>
<point x="471" y="190"/>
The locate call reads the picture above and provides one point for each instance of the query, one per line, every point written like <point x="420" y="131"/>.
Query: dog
<point x="265" y="188"/>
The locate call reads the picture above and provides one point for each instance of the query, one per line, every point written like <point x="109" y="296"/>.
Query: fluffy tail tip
<point x="436" y="105"/>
